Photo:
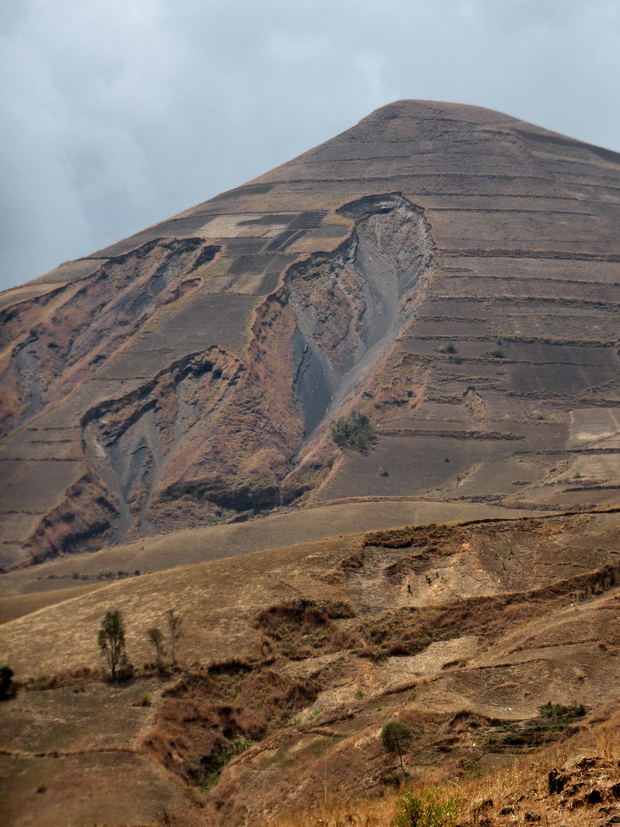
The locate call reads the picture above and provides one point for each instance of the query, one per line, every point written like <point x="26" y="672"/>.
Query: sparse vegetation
<point x="561" y="714"/>
<point x="427" y="808"/>
<point x="355" y="431"/>
<point x="303" y="628"/>
<point x="383" y="472"/>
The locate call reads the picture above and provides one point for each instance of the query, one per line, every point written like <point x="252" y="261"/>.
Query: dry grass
<point x="271" y="653"/>
<point x="518" y="793"/>
<point x="24" y="604"/>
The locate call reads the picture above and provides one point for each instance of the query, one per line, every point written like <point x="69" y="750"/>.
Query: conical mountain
<point x="449" y="273"/>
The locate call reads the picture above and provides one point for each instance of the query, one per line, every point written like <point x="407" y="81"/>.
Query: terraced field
<point x="450" y="271"/>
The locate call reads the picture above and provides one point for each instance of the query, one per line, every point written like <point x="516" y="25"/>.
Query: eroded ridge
<point x="349" y="305"/>
<point x="56" y="341"/>
<point x="214" y="434"/>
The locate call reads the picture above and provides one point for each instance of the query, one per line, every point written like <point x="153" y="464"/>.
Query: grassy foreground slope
<point x="292" y="661"/>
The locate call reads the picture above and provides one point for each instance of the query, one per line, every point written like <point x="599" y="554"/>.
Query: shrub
<point x="427" y="808"/>
<point x="6" y="681"/>
<point x="498" y="353"/>
<point x="355" y="431"/>
<point x="561" y="712"/>
<point x="451" y="348"/>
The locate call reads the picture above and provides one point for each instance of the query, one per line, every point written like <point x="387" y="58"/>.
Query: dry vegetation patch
<point x="293" y="670"/>
<point x="206" y="716"/>
<point x="304" y="628"/>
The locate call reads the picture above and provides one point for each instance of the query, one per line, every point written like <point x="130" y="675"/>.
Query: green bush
<point x="427" y="808"/>
<point x="498" y="353"/>
<point x="560" y="711"/>
<point x="355" y="431"/>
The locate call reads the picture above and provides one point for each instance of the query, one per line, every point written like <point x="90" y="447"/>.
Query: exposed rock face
<point x="451" y="271"/>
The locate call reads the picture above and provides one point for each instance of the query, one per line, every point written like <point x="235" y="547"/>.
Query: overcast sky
<point x="120" y="113"/>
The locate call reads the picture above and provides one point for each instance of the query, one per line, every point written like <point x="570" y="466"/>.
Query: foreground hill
<point x="449" y="271"/>
<point x="490" y="639"/>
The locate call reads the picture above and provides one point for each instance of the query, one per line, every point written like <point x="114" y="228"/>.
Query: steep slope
<point x="451" y="271"/>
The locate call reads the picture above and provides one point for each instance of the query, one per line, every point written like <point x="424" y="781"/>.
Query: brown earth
<point x="449" y="270"/>
<point x="293" y="659"/>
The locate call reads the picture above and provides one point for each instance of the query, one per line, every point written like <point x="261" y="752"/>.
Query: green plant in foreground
<point x="215" y="763"/>
<point x="427" y="808"/>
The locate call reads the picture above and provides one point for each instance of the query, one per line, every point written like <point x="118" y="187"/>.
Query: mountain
<point x="400" y="348"/>
<point x="449" y="271"/>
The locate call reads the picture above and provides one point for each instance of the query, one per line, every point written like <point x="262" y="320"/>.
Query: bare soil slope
<point x="462" y="631"/>
<point x="449" y="270"/>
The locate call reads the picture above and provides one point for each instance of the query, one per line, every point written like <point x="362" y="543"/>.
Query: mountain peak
<point x="448" y="271"/>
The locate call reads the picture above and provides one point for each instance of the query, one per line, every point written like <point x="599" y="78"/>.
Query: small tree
<point x="156" y="637"/>
<point x="395" y="736"/>
<point x="6" y="681"/>
<point x="176" y="633"/>
<point x="111" y="640"/>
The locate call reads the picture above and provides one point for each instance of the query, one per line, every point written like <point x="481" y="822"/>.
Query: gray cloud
<point x="119" y="113"/>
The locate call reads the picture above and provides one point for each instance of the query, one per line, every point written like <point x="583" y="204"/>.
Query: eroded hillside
<point x="449" y="271"/>
<point x="489" y="639"/>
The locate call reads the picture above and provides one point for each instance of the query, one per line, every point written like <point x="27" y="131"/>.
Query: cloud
<point x="119" y="113"/>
